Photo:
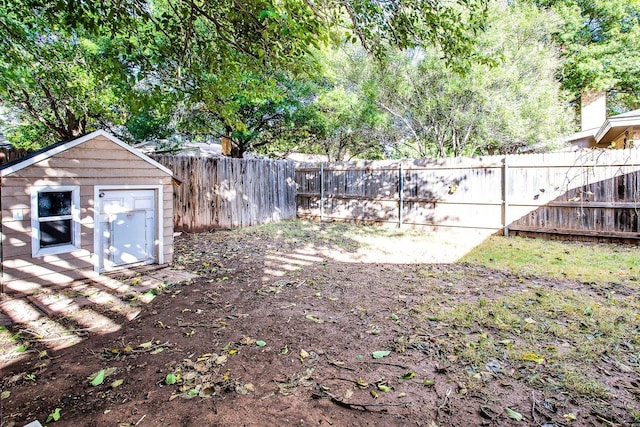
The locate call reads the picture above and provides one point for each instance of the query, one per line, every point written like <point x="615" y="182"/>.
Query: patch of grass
<point x="558" y="335"/>
<point x="344" y="235"/>
<point x="296" y="231"/>
<point x="583" y="384"/>
<point x="587" y="262"/>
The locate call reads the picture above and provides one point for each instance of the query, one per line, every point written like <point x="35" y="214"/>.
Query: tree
<point x="204" y="50"/>
<point x="597" y="38"/>
<point x="507" y="107"/>
<point x="57" y="83"/>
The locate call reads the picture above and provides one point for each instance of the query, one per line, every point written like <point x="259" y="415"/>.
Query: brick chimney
<point x="593" y="109"/>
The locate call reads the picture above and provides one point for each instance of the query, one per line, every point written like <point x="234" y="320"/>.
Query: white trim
<point x="76" y="243"/>
<point x="63" y="147"/>
<point x="159" y="215"/>
<point x="623" y="121"/>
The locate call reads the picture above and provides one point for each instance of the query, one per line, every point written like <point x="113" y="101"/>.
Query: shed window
<point x="55" y="225"/>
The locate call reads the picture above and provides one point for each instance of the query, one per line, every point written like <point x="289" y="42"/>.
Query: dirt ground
<point x="291" y="332"/>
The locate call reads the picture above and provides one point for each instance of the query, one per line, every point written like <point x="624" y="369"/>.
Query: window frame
<point x="36" y="250"/>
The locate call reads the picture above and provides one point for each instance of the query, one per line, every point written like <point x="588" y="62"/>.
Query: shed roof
<point x="52" y="150"/>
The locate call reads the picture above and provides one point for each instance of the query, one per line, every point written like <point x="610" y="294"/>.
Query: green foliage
<point x="54" y="416"/>
<point x="171" y="379"/>
<point x="596" y="39"/>
<point x="505" y="107"/>
<point x="152" y="69"/>
<point x="58" y="81"/>
<point x="98" y="378"/>
<point x="31" y="136"/>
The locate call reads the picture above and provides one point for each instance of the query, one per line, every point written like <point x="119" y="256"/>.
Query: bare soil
<point x="283" y="332"/>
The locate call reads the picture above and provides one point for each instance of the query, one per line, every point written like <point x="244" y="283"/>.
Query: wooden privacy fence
<point x="587" y="193"/>
<point x="10" y="154"/>
<point x="229" y="193"/>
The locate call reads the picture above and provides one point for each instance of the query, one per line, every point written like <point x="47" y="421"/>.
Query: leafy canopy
<point x="69" y="66"/>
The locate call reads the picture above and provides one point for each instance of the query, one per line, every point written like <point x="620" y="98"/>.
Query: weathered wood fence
<point x="230" y="193"/>
<point x="586" y="193"/>
<point x="10" y="154"/>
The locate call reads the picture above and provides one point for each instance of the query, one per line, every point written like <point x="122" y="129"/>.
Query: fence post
<point x="321" y="191"/>
<point x="505" y="202"/>
<point x="401" y="195"/>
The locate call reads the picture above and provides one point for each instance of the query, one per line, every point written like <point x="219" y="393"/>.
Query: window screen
<point x="54" y="203"/>
<point x="54" y="215"/>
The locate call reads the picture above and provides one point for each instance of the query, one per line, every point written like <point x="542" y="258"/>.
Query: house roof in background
<point x="615" y="125"/>
<point x="612" y="127"/>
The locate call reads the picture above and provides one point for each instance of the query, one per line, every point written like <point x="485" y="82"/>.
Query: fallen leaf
<point x="408" y="375"/>
<point x="146" y="344"/>
<point x="54" y="416"/>
<point x="220" y="360"/>
<point x="207" y="390"/>
<point x="313" y="318"/>
<point x="533" y="357"/>
<point x="98" y="378"/>
<point x="374" y="394"/>
<point x="384" y="387"/>
<point x="116" y="383"/>
<point x="428" y="383"/>
<point x="570" y="417"/>
<point x="303" y="354"/>
<point x="157" y="350"/>
<point x="246" y="341"/>
<point x="260" y="343"/>
<point x="5" y="394"/>
<point x="513" y="414"/>
<point x="360" y="383"/>
<point x="380" y="354"/>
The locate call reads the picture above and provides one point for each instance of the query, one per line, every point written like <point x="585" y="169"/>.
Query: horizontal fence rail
<point x="585" y="193"/>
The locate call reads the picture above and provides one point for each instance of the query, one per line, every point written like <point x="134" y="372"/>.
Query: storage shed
<point x="82" y="207"/>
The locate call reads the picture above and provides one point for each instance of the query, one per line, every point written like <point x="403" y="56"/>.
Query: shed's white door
<point x="127" y="227"/>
